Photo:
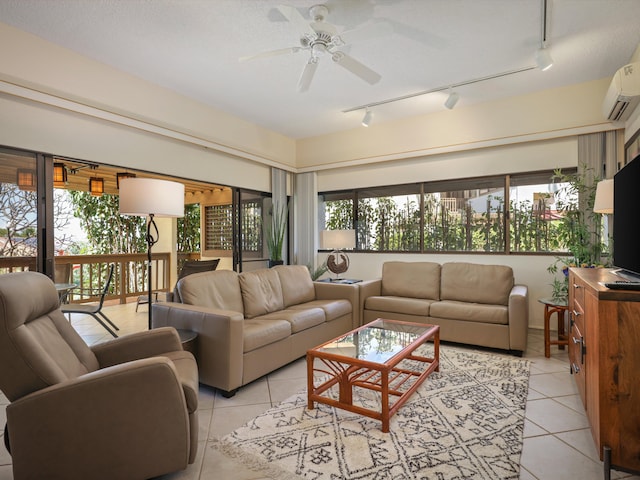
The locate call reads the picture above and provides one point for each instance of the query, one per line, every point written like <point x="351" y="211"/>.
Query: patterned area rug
<point x="464" y="422"/>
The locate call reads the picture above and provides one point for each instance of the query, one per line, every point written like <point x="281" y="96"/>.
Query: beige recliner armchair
<point x="124" y="409"/>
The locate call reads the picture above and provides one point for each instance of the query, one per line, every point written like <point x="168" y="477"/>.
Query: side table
<point x="189" y="340"/>
<point x="559" y="307"/>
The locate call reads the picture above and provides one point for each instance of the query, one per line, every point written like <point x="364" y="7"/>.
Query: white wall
<point x="518" y="158"/>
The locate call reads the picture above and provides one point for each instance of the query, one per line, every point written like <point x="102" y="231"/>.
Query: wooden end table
<point x="559" y="307"/>
<point x="379" y="357"/>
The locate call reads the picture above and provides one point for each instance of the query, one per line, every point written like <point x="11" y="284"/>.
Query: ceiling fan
<point x="320" y="39"/>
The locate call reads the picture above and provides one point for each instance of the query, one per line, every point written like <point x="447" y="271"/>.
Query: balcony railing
<point x="88" y="272"/>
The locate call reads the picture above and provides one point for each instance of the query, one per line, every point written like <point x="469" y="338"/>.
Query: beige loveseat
<point x="252" y="323"/>
<point x="473" y="304"/>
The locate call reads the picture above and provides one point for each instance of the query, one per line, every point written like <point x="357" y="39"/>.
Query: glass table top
<point x="377" y="341"/>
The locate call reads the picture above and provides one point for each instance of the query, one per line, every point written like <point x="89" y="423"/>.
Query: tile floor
<point x="557" y="439"/>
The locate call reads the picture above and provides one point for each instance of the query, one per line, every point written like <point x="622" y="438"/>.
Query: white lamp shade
<point x="604" y="197"/>
<point x="145" y="196"/>
<point x="338" y="239"/>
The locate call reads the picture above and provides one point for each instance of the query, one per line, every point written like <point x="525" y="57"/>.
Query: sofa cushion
<point x="475" y="283"/>
<point x="216" y="289"/>
<point x="409" y="306"/>
<point x="333" y="309"/>
<point x="300" y="319"/>
<point x="411" y="279"/>
<point x="260" y="332"/>
<point x="472" y="312"/>
<point x="297" y="286"/>
<point x="261" y="292"/>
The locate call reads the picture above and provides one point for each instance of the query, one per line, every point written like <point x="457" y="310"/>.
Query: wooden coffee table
<point x="377" y="357"/>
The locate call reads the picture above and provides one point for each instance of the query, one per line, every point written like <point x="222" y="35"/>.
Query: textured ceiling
<point x="192" y="47"/>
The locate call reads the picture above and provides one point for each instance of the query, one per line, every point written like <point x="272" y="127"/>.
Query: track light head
<point x="543" y="59"/>
<point x="451" y="100"/>
<point x="368" y="116"/>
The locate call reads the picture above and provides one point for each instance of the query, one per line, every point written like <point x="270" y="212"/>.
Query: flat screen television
<point x="626" y="220"/>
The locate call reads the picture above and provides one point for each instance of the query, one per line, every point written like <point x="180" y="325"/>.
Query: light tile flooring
<point x="557" y="439"/>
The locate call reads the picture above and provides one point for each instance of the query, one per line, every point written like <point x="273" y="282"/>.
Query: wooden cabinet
<point x="604" y="355"/>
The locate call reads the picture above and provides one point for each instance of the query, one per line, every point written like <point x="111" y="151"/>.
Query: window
<point x="535" y="217"/>
<point x="458" y="217"/>
<point x="389" y="219"/>
<point x="498" y="214"/>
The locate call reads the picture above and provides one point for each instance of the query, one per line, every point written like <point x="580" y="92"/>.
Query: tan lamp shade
<point x="338" y="239"/>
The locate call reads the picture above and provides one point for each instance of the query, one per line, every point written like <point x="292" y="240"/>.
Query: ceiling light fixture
<point x="59" y="175"/>
<point x="96" y="186"/>
<point x="368" y="116"/>
<point x="439" y="89"/>
<point x="26" y="179"/>
<point x="451" y="100"/>
<point x="542" y="56"/>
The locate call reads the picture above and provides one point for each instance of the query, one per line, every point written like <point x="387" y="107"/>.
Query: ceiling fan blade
<point x="375" y="30"/>
<point x="272" y="53"/>
<point x="355" y="67"/>
<point x="307" y="74"/>
<point x="293" y="15"/>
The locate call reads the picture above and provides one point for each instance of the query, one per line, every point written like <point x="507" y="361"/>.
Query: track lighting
<point x="542" y="56"/>
<point x="452" y="99"/>
<point x="543" y="59"/>
<point x="366" y="120"/>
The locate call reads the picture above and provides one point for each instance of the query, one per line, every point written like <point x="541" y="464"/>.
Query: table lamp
<point x="337" y="240"/>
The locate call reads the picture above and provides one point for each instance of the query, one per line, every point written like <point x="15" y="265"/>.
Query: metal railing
<point x="88" y="273"/>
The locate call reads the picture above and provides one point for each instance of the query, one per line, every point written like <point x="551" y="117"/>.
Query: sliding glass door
<point x="26" y="212"/>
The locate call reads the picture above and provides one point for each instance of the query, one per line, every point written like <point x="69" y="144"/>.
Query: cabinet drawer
<point x="577" y="288"/>
<point x="577" y="316"/>
<point x="576" y="359"/>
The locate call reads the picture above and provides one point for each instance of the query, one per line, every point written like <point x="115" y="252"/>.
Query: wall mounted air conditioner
<point x="624" y="93"/>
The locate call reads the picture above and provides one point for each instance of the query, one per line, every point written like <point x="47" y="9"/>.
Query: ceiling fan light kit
<point x="320" y="39"/>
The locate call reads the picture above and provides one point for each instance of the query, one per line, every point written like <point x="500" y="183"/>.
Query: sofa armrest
<point x="91" y="426"/>
<point x="518" y="317"/>
<point x="136" y="346"/>
<point x="336" y="291"/>
<point x="220" y="340"/>
<point x="368" y="288"/>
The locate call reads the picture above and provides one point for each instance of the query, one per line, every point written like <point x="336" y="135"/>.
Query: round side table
<point x="559" y="307"/>
<point x="189" y="340"/>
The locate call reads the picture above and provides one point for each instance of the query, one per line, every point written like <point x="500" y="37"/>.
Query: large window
<point x="498" y="214"/>
<point x="466" y="216"/>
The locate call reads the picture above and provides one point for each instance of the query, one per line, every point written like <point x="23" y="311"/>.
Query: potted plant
<point x="580" y="230"/>
<point x="275" y="234"/>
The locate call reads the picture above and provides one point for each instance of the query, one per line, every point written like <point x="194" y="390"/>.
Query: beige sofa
<point x="252" y="323"/>
<point x="473" y="304"/>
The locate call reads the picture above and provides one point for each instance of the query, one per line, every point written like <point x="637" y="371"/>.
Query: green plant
<point x="580" y="229"/>
<point x="317" y="272"/>
<point x="276" y="231"/>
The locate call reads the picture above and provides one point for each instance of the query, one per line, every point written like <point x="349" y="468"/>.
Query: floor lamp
<point x="151" y="197"/>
